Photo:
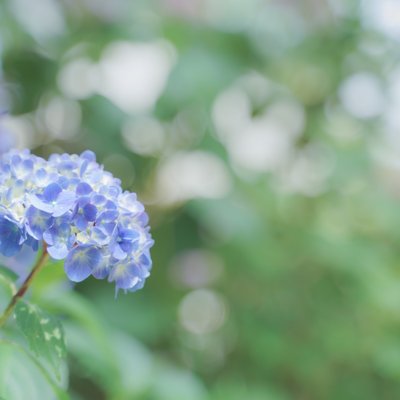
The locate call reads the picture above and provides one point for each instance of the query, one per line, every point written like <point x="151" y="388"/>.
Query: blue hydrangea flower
<point x="79" y="211"/>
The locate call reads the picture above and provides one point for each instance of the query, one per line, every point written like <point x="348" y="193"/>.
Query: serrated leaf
<point x="43" y="332"/>
<point x="22" y="378"/>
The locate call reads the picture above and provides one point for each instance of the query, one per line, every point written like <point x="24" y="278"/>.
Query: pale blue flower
<point x="79" y="211"/>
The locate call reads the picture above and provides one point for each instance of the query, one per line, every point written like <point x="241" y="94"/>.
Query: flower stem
<point x="25" y="286"/>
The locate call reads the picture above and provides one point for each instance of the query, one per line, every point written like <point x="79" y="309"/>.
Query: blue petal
<point x="59" y="233"/>
<point x="100" y="237"/>
<point x="58" y="251"/>
<point x="88" y="155"/>
<point x="81" y="222"/>
<point x="32" y="243"/>
<point x="129" y="247"/>
<point x="40" y="204"/>
<point x="63" y="182"/>
<point x="117" y="252"/>
<point x="90" y="212"/>
<point x="110" y="205"/>
<point x="83" y="189"/>
<point x="109" y="227"/>
<point x="138" y="286"/>
<point x="113" y="191"/>
<point x="10" y="237"/>
<point x="122" y="276"/>
<point x="41" y="177"/>
<point x="28" y="165"/>
<point x="102" y="270"/>
<point x="108" y="216"/>
<point x="65" y="202"/>
<point x="129" y="234"/>
<point x="82" y="201"/>
<point x="38" y="222"/>
<point x="142" y="218"/>
<point x="67" y="165"/>
<point x="138" y="270"/>
<point x="80" y="262"/>
<point x="51" y="192"/>
<point x="49" y="237"/>
<point x="23" y="168"/>
<point x="99" y="200"/>
<point x="145" y="260"/>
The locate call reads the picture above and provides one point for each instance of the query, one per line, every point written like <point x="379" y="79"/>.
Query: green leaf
<point x="21" y="377"/>
<point x="108" y="358"/>
<point x="9" y="274"/>
<point x="88" y="338"/>
<point x="43" y="332"/>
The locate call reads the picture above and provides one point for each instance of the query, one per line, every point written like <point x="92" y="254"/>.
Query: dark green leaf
<point x="43" y="332"/>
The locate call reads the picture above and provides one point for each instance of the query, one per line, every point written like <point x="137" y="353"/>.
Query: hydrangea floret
<point x="78" y="212"/>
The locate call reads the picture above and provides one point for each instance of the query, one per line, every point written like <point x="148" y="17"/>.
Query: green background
<point x="262" y="137"/>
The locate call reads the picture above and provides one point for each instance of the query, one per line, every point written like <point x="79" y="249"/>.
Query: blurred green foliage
<point x="263" y="137"/>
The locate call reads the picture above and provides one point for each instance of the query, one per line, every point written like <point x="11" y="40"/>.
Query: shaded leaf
<point x="8" y="273"/>
<point x="21" y="377"/>
<point x="43" y="332"/>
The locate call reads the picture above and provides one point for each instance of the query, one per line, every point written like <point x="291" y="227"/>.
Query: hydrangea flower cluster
<point x="79" y="212"/>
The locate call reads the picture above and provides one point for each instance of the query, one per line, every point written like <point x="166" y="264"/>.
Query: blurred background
<point x="263" y="137"/>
